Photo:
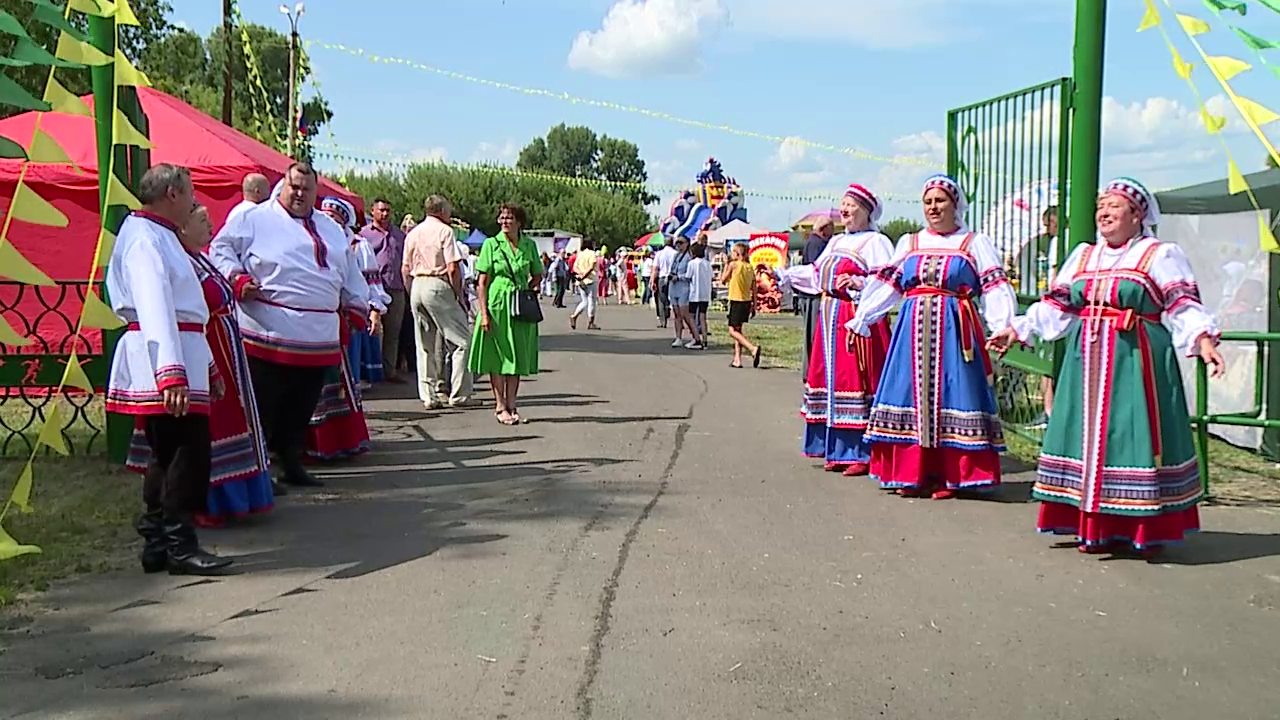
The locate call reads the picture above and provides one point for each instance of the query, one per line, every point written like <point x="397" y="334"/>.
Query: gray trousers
<point x="439" y="321"/>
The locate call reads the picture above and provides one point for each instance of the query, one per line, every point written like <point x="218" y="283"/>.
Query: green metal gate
<point x="1011" y="156"/>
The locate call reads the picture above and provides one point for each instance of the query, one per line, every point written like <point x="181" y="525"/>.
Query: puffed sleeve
<point x="999" y="302"/>
<point x="368" y="261"/>
<point x="1051" y="316"/>
<point x="355" y="291"/>
<point x="881" y="292"/>
<point x="1184" y="314"/>
<point x="152" y="293"/>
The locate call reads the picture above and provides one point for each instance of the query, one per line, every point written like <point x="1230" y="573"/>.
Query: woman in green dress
<point x="1117" y="467"/>
<point x="501" y="346"/>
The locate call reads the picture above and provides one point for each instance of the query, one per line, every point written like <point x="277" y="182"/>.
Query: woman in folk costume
<point x="338" y="428"/>
<point x="364" y="351"/>
<point x="239" y="478"/>
<point x="1118" y="467"/>
<point x="934" y="426"/>
<point x="843" y="367"/>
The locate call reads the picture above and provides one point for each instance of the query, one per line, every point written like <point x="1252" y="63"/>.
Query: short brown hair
<point x="517" y="212"/>
<point x="304" y="168"/>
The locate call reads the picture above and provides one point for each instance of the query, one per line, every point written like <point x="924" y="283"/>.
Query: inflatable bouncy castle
<point x="713" y="203"/>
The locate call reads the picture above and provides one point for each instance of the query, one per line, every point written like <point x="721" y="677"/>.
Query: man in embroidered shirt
<point x="387" y="242"/>
<point x="162" y="372"/>
<point x="255" y="189"/>
<point x="432" y="267"/>
<point x="294" y="273"/>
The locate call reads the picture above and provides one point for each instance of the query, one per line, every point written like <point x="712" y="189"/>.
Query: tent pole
<point x="102" y="34"/>
<point x="1086" y="119"/>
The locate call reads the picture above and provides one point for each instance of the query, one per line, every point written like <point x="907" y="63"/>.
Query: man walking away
<point x="432" y="266"/>
<point x="560" y="274"/>
<point x="162" y="369"/>
<point x="387" y="242"/>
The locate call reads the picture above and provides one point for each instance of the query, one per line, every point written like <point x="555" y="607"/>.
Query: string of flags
<point x="358" y="157"/>
<point x="619" y="107"/>
<point x="264" y="116"/>
<point x="73" y="51"/>
<point x="1223" y="68"/>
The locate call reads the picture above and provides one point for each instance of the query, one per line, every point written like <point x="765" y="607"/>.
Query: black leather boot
<point x="155" y="549"/>
<point x="185" y="556"/>
<point x="293" y="472"/>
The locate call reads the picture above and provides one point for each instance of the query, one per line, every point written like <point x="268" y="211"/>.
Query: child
<point x="741" y="279"/>
<point x="699" y="294"/>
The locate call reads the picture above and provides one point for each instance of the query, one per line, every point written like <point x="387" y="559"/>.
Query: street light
<point x="292" y="123"/>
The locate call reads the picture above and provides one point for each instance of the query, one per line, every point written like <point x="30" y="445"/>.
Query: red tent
<point x="219" y="157"/>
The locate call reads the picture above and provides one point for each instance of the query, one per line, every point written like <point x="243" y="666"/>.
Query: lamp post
<point x="294" y="16"/>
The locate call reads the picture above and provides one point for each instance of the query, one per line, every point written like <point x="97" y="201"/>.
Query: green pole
<point x="1086" y="119"/>
<point x="102" y="34"/>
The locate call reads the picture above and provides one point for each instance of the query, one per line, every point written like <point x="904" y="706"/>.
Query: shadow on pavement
<point x="1212" y="547"/>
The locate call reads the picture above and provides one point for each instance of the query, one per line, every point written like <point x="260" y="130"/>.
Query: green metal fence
<point x="1253" y="417"/>
<point x="1011" y="156"/>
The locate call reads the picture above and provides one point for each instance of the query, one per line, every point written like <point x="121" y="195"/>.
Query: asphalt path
<point x="652" y="545"/>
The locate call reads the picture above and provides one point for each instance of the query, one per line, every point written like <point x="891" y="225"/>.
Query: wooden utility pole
<point x="227" y="75"/>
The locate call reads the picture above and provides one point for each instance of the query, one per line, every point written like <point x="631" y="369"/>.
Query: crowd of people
<point x="246" y="351"/>
<point x="913" y="406"/>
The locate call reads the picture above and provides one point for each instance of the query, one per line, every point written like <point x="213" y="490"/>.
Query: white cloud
<point x="504" y="153"/>
<point x="688" y="145"/>
<point x="647" y="37"/>
<point x="886" y="24"/>
<point x="407" y="152"/>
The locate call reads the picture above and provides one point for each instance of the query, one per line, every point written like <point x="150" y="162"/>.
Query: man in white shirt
<point x="434" y="268"/>
<point x="662" y="279"/>
<point x="254" y="189"/>
<point x="296" y="277"/>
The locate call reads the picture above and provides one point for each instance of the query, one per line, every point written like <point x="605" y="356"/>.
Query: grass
<point x="780" y="337"/>
<point x="82" y="520"/>
<point x="83" y="420"/>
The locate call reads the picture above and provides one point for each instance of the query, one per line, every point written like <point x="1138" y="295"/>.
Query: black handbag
<point x="524" y="303"/>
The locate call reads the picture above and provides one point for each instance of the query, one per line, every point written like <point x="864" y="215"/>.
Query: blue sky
<point x="878" y="75"/>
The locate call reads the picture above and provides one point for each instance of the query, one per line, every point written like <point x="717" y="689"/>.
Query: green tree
<point x="898" y="227"/>
<point x="579" y="152"/>
<point x="476" y="193"/>
<point x="153" y="19"/>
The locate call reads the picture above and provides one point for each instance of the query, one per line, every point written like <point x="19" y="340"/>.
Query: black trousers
<point x="287" y="397"/>
<point x="662" y="302"/>
<point x="562" y="284"/>
<point x="177" y="479"/>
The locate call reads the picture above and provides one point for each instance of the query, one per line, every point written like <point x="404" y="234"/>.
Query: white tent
<point x="735" y="230"/>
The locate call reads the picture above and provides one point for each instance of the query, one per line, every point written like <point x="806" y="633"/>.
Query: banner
<point x="766" y="252"/>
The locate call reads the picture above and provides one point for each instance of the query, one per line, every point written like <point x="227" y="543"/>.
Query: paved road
<point x="652" y="546"/>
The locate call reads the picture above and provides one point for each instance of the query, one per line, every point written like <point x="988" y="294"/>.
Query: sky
<point x="876" y="76"/>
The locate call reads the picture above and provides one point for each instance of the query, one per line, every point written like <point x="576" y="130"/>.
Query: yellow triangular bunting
<point x="22" y="489"/>
<point x="51" y="432"/>
<point x="118" y="194"/>
<point x="98" y="8"/>
<point x="1255" y="113"/>
<point x="44" y="149"/>
<point x="1212" y="123"/>
<point x="96" y="314"/>
<point x="1235" y="180"/>
<point x="1228" y="67"/>
<point x="16" y="267"/>
<point x="28" y="206"/>
<point x="78" y="51"/>
<point x="127" y="74"/>
<point x="1193" y="25"/>
<point x="1180" y="66"/>
<point x="1266" y="238"/>
<point x="124" y="14"/>
<point x="106" y="243"/>
<point x="124" y="133"/>
<point x="64" y="101"/>
<point x="9" y="548"/>
<point x="1150" y="18"/>
<point x="8" y="336"/>
<point x="75" y="377"/>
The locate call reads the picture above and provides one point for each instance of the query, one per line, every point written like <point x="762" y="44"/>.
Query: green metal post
<point x="1086" y="122"/>
<point x="102" y="34"/>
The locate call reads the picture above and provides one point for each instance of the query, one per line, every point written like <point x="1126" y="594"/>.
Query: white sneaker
<point x="693" y="345"/>
<point x="678" y="342"/>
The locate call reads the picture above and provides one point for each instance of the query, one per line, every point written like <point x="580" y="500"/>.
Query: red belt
<point x="970" y="322"/>
<point x="1124" y="320"/>
<point x="182" y="327"/>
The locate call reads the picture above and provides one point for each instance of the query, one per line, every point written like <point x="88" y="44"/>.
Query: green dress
<point x="510" y="347"/>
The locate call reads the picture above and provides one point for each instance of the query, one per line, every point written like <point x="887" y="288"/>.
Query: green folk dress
<point x="510" y="347"/>
<point x="1117" y="462"/>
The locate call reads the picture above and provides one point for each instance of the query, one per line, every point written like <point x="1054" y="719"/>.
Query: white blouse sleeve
<point x="151" y="289"/>
<point x="354" y="294"/>
<point x="227" y="249"/>
<point x="1184" y="314"/>
<point x="378" y="297"/>
<point x="1049" y="318"/>
<point x="881" y="292"/>
<point x="999" y="302"/>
